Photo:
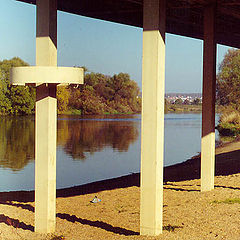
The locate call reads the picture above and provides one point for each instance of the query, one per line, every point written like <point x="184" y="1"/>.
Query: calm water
<point x="90" y="148"/>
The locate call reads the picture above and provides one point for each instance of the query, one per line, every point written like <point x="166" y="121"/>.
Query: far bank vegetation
<point x="228" y="94"/>
<point x="183" y="106"/>
<point x="100" y="94"/>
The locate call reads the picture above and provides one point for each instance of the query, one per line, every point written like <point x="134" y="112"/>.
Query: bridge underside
<point x="183" y="17"/>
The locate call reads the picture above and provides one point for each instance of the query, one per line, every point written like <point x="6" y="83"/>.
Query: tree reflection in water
<point x="17" y="142"/>
<point x="80" y="136"/>
<point x="76" y="136"/>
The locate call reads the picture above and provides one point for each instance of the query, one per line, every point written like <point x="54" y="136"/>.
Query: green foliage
<point x="99" y="94"/>
<point x="62" y="98"/>
<point x="228" y="129"/>
<point x="75" y="112"/>
<point x="228" y="94"/>
<point x="229" y="122"/>
<point x="22" y="100"/>
<point x="5" y="104"/>
<point x="17" y="100"/>
<point x="103" y="94"/>
<point x="228" y="80"/>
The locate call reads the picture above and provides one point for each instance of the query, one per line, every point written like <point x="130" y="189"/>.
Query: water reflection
<point x="17" y="142"/>
<point x="77" y="136"/>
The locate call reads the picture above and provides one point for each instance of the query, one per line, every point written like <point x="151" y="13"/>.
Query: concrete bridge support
<point x="152" y="149"/>
<point x="208" y="105"/>
<point x="46" y="76"/>
<point x="46" y="120"/>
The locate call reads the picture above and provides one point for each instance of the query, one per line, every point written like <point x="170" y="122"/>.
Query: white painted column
<point x="208" y="105"/>
<point x="152" y="149"/>
<point x="46" y="125"/>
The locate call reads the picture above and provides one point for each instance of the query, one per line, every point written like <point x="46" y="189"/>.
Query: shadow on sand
<point x="98" y="224"/>
<point x="226" y="164"/>
<point x="15" y="223"/>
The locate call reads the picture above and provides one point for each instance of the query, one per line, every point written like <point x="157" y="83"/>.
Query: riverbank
<point x="187" y="213"/>
<point x="183" y="108"/>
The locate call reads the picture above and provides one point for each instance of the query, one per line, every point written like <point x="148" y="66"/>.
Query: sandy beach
<point x="187" y="213"/>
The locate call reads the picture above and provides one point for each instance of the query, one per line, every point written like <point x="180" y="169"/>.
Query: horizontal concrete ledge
<point x="44" y="74"/>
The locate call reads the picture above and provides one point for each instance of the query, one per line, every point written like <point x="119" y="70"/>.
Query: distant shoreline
<point x="182" y="108"/>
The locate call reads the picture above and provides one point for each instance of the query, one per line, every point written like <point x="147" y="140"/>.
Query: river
<point x="91" y="148"/>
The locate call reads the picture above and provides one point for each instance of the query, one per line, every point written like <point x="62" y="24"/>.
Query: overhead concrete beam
<point x="44" y="74"/>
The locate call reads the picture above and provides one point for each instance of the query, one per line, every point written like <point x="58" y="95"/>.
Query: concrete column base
<point x="45" y="159"/>
<point x="208" y="162"/>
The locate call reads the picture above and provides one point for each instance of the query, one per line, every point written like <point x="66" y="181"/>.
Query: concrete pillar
<point x="208" y="106"/>
<point x="46" y="125"/>
<point x="45" y="76"/>
<point x="152" y="149"/>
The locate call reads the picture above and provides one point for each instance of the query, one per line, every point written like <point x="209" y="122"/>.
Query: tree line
<point x="14" y="100"/>
<point x="228" y="80"/>
<point x="100" y="94"/>
<point x="228" y="94"/>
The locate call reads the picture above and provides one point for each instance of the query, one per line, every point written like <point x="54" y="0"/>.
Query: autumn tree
<point x="104" y="94"/>
<point x="63" y="95"/>
<point x="228" y="80"/>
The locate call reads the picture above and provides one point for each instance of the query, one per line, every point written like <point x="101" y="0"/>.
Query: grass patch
<point x="228" y="201"/>
<point x="180" y="108"/>
<point x="228" y="129"/>
<point x="227" y="139"/>
<point x="75" y="112"/>
<point x="229" y="122"/>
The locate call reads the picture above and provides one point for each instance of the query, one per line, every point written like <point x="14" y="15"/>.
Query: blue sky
<point x="101" y="46"/>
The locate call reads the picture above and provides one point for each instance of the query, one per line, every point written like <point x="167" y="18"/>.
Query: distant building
<point x="185" y="97"/>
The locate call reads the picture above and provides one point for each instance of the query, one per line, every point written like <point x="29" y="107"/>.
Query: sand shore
<point x="188" y="213"/>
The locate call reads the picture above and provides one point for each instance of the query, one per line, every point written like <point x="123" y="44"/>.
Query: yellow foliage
<point x="62" y="98"/>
